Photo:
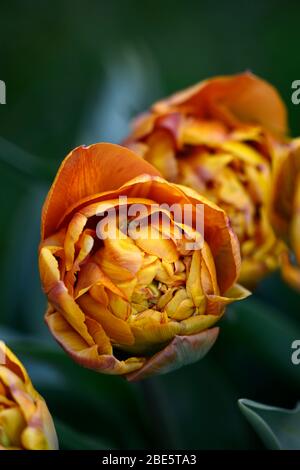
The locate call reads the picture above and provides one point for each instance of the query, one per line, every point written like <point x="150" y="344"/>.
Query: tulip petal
<point x="74" y="231"/>
<point x="91" y="275"/>
<point x="34" y="439"/>
<point x="12" y="422"/>
<point x="220" y="238"/>
<point x="119" y="307"/>
<point x="120" y="259"/>
<point x="197" y="132"/>
<point x="242" y="98"/>
<point x="88" y="171"/>
<point x="47" y="425"/>
<point x="150" y="241"/>
<point x="208" y="265"/>
<point x="86" y="244"/>
<point x="117" y="330"/>
<point x="180" y="306"/>
<point x="49" y="270"/>
<point x="149" y="330"/>
<point x="99" y="336"/>
<point x="193" y="283"/>
<point x="147" y="273"/>
<point x="87" y="356"/>
<point x="244" y="152"/>
<point x="161" y="154"/>
<point x="64" y="333"/>
<point x="25" y="401"/>
<point x="198" y="323"/>
<point x="14" y="365"/>
<point x="66" y="305"/>
<point x="181" y="351"/>
<point x="216" y="303"/>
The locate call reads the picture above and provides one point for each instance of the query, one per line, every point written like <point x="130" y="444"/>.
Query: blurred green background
<point x="77" y="72"/>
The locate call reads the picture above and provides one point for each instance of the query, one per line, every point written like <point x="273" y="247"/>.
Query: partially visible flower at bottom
<point x="132" y="305"/>
<point x="25" y="421"/>
<point x="285" y="209"/>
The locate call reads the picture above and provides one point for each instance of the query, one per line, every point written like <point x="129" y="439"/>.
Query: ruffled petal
<point x="88" y="171"/>
<point x="116" y="328"/>
<point x="87" y="356"/>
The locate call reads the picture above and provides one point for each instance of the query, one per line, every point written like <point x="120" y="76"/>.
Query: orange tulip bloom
<point x="25" y="422"/>
<point x="285" y="208"/>
<point x="220" y="138"/>
<point x="123" y="305"/>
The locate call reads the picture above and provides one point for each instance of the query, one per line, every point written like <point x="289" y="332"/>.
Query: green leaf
<point x="278" y="428"/>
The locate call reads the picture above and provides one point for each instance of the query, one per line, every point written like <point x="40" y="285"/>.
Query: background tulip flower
<point x="285" y="208"/>
<point x="220" y="138"/>
<point x="131" y="306"/>
<point x="25" y="421"/>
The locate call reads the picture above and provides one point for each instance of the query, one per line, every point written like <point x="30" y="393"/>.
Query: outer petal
<point x="181" y="351"/>
<point x="40" y="433"/>
<point x="242" y="98"/>
<point x="143" y="187"/>
<point x="87" y="356"/>
<point x="13" y="422"/>
<point x="87" y="171"/>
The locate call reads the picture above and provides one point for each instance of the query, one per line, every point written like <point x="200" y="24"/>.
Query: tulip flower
<point x="142" y="299"/>
<point x="25" y="422"/>
<point x="285" y="208"/>
<point x="220" y="137"/>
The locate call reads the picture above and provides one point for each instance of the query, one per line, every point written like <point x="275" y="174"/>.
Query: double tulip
<point x="137" y="302"/>
<point x="25" y="422"/>
<point x="285" y="209"/>
<point x="223" y="138"/>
